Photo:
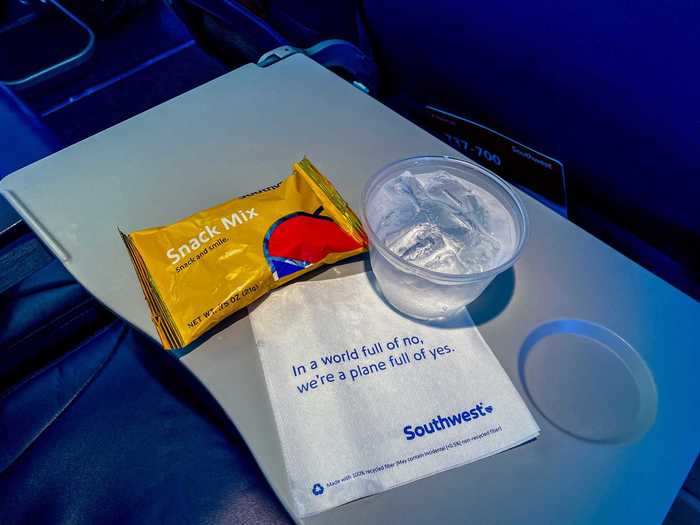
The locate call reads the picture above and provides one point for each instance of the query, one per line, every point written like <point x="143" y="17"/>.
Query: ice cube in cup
<point x="440" y="229"/>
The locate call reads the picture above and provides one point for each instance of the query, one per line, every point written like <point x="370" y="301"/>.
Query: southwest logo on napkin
<point x="440" y="423"/>
<point x="365" y="399"/>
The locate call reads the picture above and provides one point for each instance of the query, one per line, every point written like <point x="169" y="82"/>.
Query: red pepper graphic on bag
<point x="300" y="239"/>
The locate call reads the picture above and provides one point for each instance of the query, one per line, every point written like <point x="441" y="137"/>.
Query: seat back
<point x="610" y="89"/>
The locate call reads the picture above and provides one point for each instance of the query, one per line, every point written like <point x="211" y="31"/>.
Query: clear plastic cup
<point x="421" y="292"/>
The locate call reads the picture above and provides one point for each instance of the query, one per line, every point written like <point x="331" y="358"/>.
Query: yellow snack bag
<point x="199" y="270"/>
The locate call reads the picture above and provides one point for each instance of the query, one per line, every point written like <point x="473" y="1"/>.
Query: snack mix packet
<point x="201" y="269"/>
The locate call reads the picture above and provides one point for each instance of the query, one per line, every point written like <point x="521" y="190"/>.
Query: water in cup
<point x="442" y="222"/>
<point x="440" y="229"/>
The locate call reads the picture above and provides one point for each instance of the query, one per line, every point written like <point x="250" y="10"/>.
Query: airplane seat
<point x="608" y="89"/>
<point x="306" y="23"/>
<point x="117" y="431"/>
<point x="24" y="138"/>
<point x="43" y="310"/>
<point x="43" y="316"/>
<point x="253" y="27"/>
<point x="239" y="32"/>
